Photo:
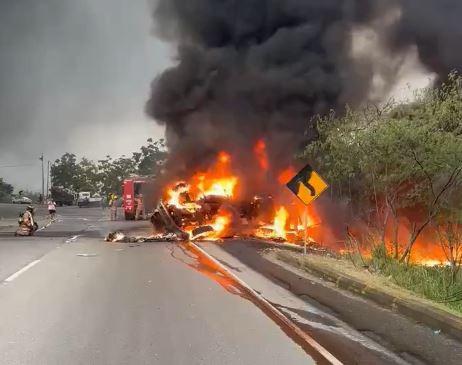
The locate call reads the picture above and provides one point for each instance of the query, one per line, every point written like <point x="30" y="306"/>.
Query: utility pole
<point x="48" y="178"/>
<point x="43" y="179"/>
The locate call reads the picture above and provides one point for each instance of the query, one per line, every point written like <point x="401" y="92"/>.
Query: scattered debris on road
<point x="86" y="254"/>
<point x="122" y="238"/>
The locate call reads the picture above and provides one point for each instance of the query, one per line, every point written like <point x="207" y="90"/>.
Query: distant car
<point x="22" y="200"/>
<point x="86" y="200"/>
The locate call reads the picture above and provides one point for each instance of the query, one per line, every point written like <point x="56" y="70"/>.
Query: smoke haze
<point x="262" y="68"/>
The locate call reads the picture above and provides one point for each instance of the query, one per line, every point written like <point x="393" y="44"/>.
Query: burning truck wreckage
<point x="208" y="206"/>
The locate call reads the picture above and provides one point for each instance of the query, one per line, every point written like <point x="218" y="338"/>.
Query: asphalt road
<point x="67" y="297"/>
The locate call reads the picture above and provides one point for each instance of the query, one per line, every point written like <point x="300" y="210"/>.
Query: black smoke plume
<point x="251" y="69"/>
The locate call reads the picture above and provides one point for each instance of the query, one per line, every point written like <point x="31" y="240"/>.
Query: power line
<point x="20" y="165"/>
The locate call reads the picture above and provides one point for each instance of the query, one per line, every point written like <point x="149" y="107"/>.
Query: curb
<point x="282" y="245"/>
<point x="432" y="317"/>
<point x="302" y="338"/>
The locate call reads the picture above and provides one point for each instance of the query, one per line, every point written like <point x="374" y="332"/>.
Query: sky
<point x="74" y="77"/>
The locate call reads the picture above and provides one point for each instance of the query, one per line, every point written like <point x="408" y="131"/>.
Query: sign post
<point x="305" y="239"/>
<point x="307" y="185"/>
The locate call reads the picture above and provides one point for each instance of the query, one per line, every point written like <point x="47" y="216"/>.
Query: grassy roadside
<point x="429" y="285"/>
<point x="436" y="283"/>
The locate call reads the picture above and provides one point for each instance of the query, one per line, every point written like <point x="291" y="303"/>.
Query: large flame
<point x="220" y="225"/>
<point x="291" y="221"/>
<point x="174" y="193"/>
<point x="219" y="180"/>
<point x="280" y="221"/>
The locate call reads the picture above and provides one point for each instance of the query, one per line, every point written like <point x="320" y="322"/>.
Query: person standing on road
<point x="140" y="211"/>
<point x="52" y="209"/>
<point x="113" y="206"/>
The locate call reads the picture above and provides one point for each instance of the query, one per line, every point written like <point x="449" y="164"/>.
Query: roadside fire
<point x="277" y="230"/>
<point x="209" y="206"/>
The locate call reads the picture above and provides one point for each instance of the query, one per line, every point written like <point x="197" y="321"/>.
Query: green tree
<point x="391" y="160"/>
<point x="106" y="176"/>
<point x="151" y="158"/>
<point x="113" y="172"/>
<point x="64" y="172"/>
<point x="87" y="177"/>
<point x="6" y="190"/>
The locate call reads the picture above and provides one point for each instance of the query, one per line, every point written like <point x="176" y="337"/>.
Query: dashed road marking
<point x="72" y="239"/>
<point x="45" y="226"/>
<point x="19" y="272"/>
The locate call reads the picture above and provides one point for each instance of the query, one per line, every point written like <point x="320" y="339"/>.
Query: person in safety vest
<point x="140" y="210"/>
<point x="113" y="206"/>
<point x="27" y="224"/>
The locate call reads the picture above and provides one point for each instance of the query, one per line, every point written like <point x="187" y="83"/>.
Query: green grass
<point x="434" y="283"/>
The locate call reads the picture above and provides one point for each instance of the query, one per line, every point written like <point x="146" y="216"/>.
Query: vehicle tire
<point x="129" y="217"/>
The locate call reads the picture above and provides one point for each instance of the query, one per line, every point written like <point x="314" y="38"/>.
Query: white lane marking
<point x="304" y="336"/>
<point x="24" y="269"/>
<point x="45" y="226"/>
<point x="72" y="239"/>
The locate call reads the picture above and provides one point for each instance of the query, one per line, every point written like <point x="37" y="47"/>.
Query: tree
<point x="393" y="160"/>
<point x="112" y="173"/>
<point x="87" y="177"/>
<point x="106" y="176"/>
<point x="6" y="190"/>
<point x="64" y="171"/>
<point x="151" y="158"/>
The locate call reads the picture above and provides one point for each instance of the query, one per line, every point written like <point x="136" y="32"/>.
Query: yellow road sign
<point x="307" y="185"/>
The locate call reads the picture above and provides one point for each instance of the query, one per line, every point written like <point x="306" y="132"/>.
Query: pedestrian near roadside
<point x="52" y="209"/>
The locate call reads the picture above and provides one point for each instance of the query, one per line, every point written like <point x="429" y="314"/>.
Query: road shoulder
<point x="412" y="341"/>
<point x="374" y="288"/>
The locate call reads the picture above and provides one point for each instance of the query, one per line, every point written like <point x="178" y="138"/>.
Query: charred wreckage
<point x="210" y="216"/>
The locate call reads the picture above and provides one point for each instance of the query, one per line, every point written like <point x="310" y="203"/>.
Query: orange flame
<point x="219" y="180"/>
<point x="276" y="230"/>
<point x="220" y="224"/>
<point x="260" y="153"/>
<point x="285" y="175"/>
<point x="280" y="221"/>
<point x="213" y="186"/>
<point x="175" y="194"/>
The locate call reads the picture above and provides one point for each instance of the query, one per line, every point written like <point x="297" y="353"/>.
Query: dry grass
<point x="424" y="284"/>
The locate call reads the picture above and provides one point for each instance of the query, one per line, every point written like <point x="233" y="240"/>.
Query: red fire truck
<point x="131" y="187"/>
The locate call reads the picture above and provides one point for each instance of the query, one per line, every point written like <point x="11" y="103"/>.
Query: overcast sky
<point x="74" y="77"/>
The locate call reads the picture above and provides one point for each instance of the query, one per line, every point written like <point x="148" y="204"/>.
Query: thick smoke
<point x="250" y="69"/>
<point x="435" y="27"/>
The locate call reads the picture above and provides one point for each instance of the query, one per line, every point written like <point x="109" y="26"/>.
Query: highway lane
<point x="124" y="304"/>
<point x="16" y="252"/>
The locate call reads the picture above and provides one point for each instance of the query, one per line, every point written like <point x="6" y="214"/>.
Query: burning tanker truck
<point x="208" y="206"/>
